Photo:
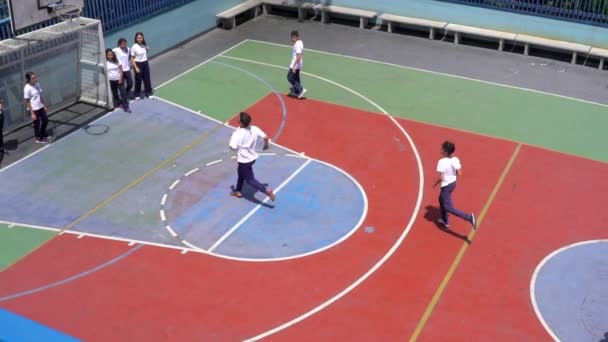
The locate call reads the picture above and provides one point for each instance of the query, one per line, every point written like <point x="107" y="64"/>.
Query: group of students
<point x="119" y="62"/>
<point x="244" y="140"/>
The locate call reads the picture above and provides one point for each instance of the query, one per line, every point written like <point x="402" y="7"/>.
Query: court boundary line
<point x="401" y="238"/>
<point x="439" y="73"/>
<point x="465" y="246"/>
<point x="537" y="272"/>
<point x="54" y="142"/>
<point x="200" y="64"/>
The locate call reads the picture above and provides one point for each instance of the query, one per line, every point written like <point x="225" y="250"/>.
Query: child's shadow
<point x="249" y="194"/>
<point x="432" y="214"/>
<point x="605" y="339"/>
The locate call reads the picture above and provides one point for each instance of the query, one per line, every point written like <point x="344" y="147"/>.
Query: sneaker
<point x="137" y="98"/>
<point x="443" y="223"/>
<point x="473" y="221"/>
<point x="236" y="194"/>
<point x="42" y="141"/>
<point x="270" y="194"/>
<point x="302" y="93"/>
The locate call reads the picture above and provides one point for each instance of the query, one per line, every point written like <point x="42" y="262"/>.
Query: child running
<point x="449" y="168"/>
<point x="244" y="141"/>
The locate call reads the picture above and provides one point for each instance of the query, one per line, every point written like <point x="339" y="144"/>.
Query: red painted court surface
<point x="160" y="294"/>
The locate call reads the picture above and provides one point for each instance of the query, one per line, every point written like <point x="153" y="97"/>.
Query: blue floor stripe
<point x="15" y="328"/>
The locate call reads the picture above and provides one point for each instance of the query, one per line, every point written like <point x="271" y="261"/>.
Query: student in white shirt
<point x="32" y="93"/>
<point x="117" y="84"/>
<point x="449" y="168"/>
<point x="139" y="52"/>
<point x="297" y="61"/>
<point x="123" y="54"/>
<point x="244" y="141"/>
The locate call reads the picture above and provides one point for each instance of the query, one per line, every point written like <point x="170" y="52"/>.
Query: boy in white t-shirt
<point x="244" y="141"/>
<point x="297" y="61"/>
<point x="449" y="168"/>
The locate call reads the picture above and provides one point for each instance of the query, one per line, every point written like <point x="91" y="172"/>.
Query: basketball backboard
<point x="25" y="13"/>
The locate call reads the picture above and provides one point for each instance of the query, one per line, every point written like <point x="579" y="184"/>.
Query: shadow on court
<point x="249" y="195"/>
<point x="432" y="215"/>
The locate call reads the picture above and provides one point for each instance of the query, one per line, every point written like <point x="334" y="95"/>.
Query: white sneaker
<point x="442" y="222"/>
<point x="302" y="93"/>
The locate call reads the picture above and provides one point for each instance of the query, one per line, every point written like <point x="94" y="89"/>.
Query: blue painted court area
<point x="317" y="206"/>
<point x="572" y="292"/>
<point x="14" y="328"/>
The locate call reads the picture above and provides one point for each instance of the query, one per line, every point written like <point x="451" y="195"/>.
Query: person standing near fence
<point x="32" y="93"/>
<point x="123" y="54"/>
<point x="139" y="52"/>
<point x="297" y="61"/>
<point x="117" y="84"/>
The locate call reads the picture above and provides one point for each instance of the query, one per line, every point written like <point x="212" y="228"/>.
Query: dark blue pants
<point x="119" y="94"/>
<point x="143" y="76"/>
<point x="446" y="206"/>
<point x="245" y="174"/>
<point x="1" y="130"/>
<point x="128" y="79"/>
<point x="294" y="79"/>
<point x="40" y="124"/>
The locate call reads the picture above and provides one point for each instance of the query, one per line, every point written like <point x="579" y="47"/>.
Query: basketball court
<point x="137" y="237"/>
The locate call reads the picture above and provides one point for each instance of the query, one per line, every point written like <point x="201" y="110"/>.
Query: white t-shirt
<point x="139" y="52"/>
<point x="244" y="141"/>
<point x="298" y="47"/>
<point x="448" y="166"/>
<point x="113" y="70"/>
<point x="123" y="58"/>
<point x="34" y="94"/>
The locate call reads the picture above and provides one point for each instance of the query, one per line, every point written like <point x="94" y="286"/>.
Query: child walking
<point x="244" y="141"/>
<point x="449" y="168"/>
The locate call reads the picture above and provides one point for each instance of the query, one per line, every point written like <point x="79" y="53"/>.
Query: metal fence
<point x="68" y="60"/>
<point x="593" y="12"/>
<point x="114" y="14"/>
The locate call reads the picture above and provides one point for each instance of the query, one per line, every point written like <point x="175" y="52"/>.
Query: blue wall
<point x="487" y="18"/>
<point x="173" y="27"/>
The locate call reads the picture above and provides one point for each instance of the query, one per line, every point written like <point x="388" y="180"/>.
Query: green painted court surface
<point x="551" y="122"/>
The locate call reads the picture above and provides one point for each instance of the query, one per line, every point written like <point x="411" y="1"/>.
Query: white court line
<point x="535" y="276"/>
<point x="171" y="231"/>
<point x="257" y="207"/>
<point x="132" y="243"/>
<point x="199" y="65"/>
<point x="184" y="251"/>
<point x="174" y="184"/>
<point x="436" y="73"/>
<point x="101" y="237"/>
<point x="190" y="172"/>
<point x="80" y="236"/>
<point x="213" y="162"/>
<point x="163" y="200"/>
<point x="401" y="238"/>
<point x="190" y="245"/>
<point x="54" y="143"/>
<point x="162" y="215"/>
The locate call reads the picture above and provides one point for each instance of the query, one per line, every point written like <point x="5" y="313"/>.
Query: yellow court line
<point x="123" y="190"/>
<point x="463" y="249"/>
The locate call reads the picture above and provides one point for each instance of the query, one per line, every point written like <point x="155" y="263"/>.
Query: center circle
<point x="318" y="206"/>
